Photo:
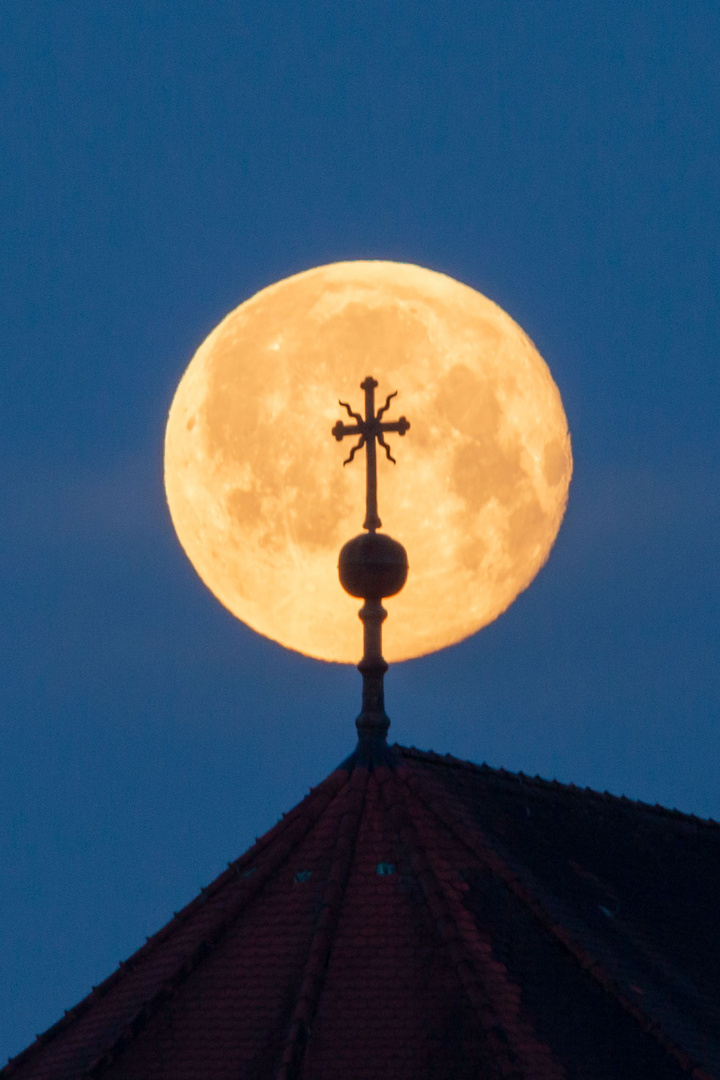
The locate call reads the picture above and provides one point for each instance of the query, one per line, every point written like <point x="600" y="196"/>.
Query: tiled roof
<point x="420" y="918"/>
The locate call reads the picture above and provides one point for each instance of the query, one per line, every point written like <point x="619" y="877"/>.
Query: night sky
<point x="160" y="163"/>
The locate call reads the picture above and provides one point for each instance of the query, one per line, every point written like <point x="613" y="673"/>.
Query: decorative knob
<point x="373" y="566"/>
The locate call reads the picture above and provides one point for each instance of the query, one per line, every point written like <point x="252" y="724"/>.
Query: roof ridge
<point x="485" y="981"/>
<point x="322" y="939"/>
<point x="299" y="821"/>
<point x="450" y="761"/>
<point x="494" y="862"/>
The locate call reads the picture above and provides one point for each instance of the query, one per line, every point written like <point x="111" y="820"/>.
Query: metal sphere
<point x="372" y="566"/>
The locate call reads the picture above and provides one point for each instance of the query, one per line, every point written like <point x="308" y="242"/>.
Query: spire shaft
<point x="372" y="721"/>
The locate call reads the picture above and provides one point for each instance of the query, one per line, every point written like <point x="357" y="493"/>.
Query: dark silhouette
<point x="372" y="566"/>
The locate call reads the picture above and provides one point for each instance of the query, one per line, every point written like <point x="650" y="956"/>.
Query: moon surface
<point x="255" y="481"/>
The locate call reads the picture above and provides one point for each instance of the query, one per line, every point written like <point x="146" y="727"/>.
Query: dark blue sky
<point x="160" y="162"/>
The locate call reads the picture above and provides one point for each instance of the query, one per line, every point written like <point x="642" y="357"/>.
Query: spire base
<point x="372" y="724"/>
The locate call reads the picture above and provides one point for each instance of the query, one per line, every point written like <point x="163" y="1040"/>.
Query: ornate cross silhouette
<point x="370" y="429"/>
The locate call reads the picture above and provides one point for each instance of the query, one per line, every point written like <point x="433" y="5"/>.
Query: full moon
<point x="256" y="485"/>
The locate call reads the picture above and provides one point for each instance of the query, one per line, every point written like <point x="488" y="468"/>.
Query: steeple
<point x="435" y="920"/>
<point x="417" y="917"/>
<point x="372" y="566"/>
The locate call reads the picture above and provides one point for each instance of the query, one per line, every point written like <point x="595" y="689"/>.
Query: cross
<point x="370" y="429"/>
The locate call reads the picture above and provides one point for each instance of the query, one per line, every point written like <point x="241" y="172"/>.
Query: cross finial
<point x="369" y="429"/>
<point x="372" y="566"/>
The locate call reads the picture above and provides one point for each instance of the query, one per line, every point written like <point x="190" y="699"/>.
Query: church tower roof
<point x="417" y="917"/>
<point x="421" y="918"/>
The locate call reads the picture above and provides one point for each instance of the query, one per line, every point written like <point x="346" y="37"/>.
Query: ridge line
<point x="298" y="821"/>
<point x="322" y="939"/>
<point x="472" y="960"/>
<point x="300" y="827"/>
<point x="541" y="784"/>
<point x="496" y="864"/>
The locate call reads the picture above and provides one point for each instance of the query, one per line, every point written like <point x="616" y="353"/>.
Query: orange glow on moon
<point x="255" y="482"/>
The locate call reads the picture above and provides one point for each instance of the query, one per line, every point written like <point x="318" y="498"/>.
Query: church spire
<point x="372" y="565"/>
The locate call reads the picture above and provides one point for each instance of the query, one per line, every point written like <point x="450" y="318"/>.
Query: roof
<point x="417" y="916"/>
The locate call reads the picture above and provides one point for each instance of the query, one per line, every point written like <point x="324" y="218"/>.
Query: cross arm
<point x="400" y="426"/>
<point x="341" y="430"/>
<point x="358" y="428"/>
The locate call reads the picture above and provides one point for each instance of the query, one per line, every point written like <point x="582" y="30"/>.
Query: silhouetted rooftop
<point x="417" y="917"/>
